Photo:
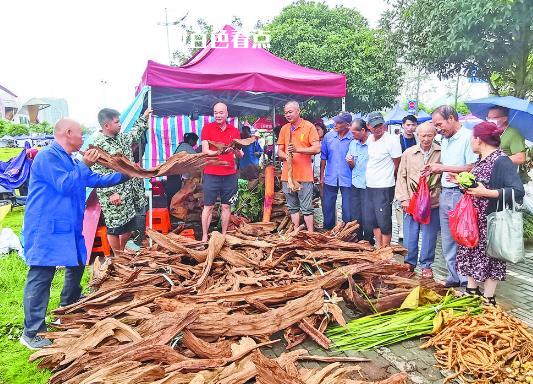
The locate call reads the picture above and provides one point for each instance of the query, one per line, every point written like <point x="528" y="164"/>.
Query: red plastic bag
<point x="412" y="204"/>
<point x="464" y="222"/>
<point x="422" y="207"/>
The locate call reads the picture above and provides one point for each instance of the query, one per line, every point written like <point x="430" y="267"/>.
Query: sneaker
<point x="36" y="342"/>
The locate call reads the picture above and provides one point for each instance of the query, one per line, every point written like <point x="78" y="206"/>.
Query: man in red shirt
<point x="219" y="180"/>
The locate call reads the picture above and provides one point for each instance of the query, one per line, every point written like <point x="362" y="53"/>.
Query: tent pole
<point x="150" y="201"/>
<point x="344" y="104"/>
<point x="273" y="134"/>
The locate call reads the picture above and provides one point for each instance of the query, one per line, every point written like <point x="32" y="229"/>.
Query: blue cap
<point x="343" y="117"/>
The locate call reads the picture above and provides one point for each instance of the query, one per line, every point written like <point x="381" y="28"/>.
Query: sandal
<point x="427" y="273"/>
<point x="491" y="300"/>
<point x="473" y="291"/>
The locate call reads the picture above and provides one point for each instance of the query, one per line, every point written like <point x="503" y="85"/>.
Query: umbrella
<point x="520" y="112"/>
<point x="468" y="121"/>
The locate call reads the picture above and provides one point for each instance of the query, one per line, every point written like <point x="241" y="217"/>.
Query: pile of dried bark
<point x="187" y="203"/>
<point x="182" y="312"/>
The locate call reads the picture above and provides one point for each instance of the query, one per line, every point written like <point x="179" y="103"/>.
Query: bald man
<point x="299" y="138"/>
<point x="53" y="222"/>
<point x="219" y="181"/>
<point x="412" y="164"/>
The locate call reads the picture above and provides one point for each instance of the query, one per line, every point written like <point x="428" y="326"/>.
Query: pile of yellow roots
<point x="492" y="347"/>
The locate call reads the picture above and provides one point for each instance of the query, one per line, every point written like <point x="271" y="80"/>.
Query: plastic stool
<point x="160" y="220"/>
<point x="188" y="233"/>
<point x="101" y="245"/>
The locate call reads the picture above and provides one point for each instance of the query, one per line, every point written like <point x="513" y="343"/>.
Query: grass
<point x="14" y="365"/>
<point x="13" y="220"/>
<point x="8" y="153"/>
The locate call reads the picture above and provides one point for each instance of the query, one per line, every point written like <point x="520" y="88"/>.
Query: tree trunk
<point x="522" y="70"/>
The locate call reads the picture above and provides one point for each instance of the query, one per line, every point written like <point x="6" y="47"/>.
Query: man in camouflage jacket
<point x="120" y="203"/>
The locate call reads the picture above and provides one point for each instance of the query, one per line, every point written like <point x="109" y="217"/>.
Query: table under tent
<point x="249" y="80"/>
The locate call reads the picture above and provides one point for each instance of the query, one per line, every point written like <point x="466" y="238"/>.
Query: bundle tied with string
<point x="293" y="185"/>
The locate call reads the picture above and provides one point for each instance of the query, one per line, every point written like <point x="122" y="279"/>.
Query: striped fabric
<point x="130" y="115"/>
<point x="167" y="132"/>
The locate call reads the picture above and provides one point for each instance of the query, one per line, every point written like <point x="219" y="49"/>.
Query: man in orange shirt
<point x="300" y="138"/>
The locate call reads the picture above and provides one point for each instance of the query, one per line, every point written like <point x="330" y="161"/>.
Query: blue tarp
<point x="14" y="172"/>
<point x="396" y="115"/>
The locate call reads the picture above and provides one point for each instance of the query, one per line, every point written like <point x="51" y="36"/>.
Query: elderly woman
<point x="494" y="172"/>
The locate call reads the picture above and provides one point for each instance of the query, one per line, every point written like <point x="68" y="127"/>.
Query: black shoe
<point x="473" y="291"/>
<point x="452" y="284"/>
<point x="491" y="300"/>
<point x="411" y="267"/>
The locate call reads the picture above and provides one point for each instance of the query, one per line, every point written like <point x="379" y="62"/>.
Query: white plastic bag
<point x="9" y="242"/>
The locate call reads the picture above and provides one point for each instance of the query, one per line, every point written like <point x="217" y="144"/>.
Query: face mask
<point x="493" y="121"/>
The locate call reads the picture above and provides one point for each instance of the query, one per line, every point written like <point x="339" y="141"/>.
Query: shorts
<point x="301" y="201"/>
<point x="223" y="186"/>
<point x="378" y="208"/>
<point x="130" y="226"/>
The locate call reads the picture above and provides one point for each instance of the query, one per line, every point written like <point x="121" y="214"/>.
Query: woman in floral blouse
<point x="494" y="172"/>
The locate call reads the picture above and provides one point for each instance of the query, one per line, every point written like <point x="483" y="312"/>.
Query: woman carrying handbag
<point x="496" y="177"/>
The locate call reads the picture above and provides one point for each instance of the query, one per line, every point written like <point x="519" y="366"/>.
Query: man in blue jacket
<point x="53" y="222"/>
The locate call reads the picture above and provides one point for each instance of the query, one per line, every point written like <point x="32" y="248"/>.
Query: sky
<point x="93" y="53"/>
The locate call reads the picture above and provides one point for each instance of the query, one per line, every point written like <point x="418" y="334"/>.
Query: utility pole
<point x="104" y="91"/>
<point x="457" y="90"/>
<point x="166" y="24"/>
<point x="417" y="89"/>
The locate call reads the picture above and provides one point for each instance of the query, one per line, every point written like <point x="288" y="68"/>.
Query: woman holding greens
<point x="494" y="173"/>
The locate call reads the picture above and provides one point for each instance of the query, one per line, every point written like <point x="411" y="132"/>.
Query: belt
<point x="451" y="188"/>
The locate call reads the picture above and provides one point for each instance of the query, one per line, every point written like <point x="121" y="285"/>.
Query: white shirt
<point x="380" y="167"/>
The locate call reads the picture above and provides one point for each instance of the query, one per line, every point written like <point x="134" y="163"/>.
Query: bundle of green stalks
<point x="391" y="327"/>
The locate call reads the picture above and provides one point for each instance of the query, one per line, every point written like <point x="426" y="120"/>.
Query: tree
<point x="44" y="127"/>
<point x="200" y="27"/>
<point x="491" y="39"/>
<point x="339" y="40"/>
<point x="17" y="129"/>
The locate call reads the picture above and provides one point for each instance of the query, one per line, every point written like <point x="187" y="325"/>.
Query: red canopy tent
<point x="249" y="79"/>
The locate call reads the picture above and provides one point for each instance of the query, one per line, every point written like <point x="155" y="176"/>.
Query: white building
<point x="57" y="110"/>
<point x="8" y="103"/>
<point x="433" y="92"/>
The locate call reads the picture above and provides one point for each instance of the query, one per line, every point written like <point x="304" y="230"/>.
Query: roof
<point x="7" y="90"/>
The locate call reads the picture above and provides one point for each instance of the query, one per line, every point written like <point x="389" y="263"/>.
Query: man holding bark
<point x="298" y="141"/>
<point x="53" y="221"/>
<point x="219" y="180"/>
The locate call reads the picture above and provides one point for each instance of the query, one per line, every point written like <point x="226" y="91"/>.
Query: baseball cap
<point x="343" y="117"/>
<point x="375" y="118"/>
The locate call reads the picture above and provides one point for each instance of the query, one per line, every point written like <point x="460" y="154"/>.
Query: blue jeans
<point x="329" y="205"/>
<point x="411" y="233"/>
<point x="449" y="198"/>
<point x="37" y="295"/>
